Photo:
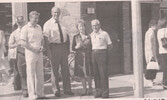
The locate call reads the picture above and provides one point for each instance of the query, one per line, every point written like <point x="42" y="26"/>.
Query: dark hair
<point x="162" y="23"/>
<point x="34" y="13"/>
<point x="153" y="23"/>
<point x="81" y="21"/>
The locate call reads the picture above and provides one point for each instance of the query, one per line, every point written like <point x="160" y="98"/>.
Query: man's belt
<point x="21" y="52"/>
<point x="58" y="43"/>
<point x="99" y="50"/>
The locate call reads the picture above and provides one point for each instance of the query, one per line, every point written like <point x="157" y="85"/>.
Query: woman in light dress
<point x="3" y="61"/>
<point x="150" y="46"/>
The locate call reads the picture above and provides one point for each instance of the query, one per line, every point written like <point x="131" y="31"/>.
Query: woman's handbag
<point x="152" y="69"/>
<point x="164" y="40"/>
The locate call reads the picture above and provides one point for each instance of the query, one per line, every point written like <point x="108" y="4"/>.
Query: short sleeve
<point x="42" y="32"/>
<point x="108" y="40"/>
<point x="24" y="34"/>
<point x="46" y="30"/>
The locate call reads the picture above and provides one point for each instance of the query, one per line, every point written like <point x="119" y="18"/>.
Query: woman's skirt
<point x="83" y="65"/>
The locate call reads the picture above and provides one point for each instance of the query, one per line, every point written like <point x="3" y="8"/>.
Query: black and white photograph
<point x="83" y="49"/>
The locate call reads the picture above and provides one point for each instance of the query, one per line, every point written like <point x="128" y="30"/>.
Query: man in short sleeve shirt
<point x="101" y="44"/>
<point x="14" y="43"/>
<point x="32" y="41"/>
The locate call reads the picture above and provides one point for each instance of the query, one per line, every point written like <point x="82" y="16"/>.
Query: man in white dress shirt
<point x="57" y="42"/>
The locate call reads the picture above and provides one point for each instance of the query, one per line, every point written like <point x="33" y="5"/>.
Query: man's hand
<point x="110" y="47"/>
<point x="37" y="51"/>
<point x="29" y="47"/>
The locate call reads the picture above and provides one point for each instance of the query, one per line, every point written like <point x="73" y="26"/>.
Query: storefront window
<point x="163" y="13"/>
<point x="6" y="19"/>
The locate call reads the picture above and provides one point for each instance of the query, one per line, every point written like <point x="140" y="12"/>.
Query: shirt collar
<point x="100" y="31"/>
<point x="53" y="20"/>
<point x="19" y="29"/>
<point x="30" y="25"/>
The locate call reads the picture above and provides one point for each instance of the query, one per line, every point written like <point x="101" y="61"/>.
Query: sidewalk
<point x="121" y="86"/>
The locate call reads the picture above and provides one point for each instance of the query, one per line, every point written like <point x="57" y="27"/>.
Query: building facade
<point x="115" y="18"/>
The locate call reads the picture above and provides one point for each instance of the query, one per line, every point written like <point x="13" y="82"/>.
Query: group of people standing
<point x="28" y="42"/>
<point x="154" y="46"/>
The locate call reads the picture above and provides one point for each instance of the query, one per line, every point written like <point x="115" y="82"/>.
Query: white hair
<point x="55" y="8"/>
<point x="95" y="21"/>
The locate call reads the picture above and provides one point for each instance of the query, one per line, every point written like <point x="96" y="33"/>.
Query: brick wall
<point x="87" y="17"/>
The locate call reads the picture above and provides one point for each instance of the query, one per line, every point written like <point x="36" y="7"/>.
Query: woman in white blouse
<point x="3" y="62"/>
<point x="162" y="33"/>
<point x="150" y="43"/>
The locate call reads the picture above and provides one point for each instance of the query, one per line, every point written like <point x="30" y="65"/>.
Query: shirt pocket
<point x="101" y="40"/>
<point x="54" y="34"/>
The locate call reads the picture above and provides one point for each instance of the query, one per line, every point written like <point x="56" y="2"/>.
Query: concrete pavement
<point x="121" y="87"/>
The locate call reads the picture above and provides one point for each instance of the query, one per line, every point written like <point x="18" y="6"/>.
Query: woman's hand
<point x="36" y="50"/>
<point x="79" y="45"/>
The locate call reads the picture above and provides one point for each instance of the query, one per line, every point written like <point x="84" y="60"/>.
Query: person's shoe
<point x="105" y="96"/>
<point x="25" y="95"/>
<point x="42" y="97"/>
<point x="17" y="89"/>
<point x="90" y="91"/>
<point x="83" y="94"/>
<point x="97" y="95"/>
<point x="57" y="94"/>
<point x="69" y="93"/>
<point x="164" y="87"/>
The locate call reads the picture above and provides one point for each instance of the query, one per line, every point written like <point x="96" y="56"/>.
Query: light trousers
<point x="35" y="74"/>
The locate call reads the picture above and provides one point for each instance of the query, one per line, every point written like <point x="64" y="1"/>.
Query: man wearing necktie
<point x="57" y="45"/>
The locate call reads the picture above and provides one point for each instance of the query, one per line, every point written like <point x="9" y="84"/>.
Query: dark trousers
<point x="60" y="58"/>
<point x="163" y="65"/>
<point x="21" y="64"/>
<point x="99" y="60"/>
<point x="16" y="81"/>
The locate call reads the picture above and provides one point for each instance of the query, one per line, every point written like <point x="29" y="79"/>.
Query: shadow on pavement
<point x="48" y="91"/>
<point x="11" y="94"/>
<point x="148" y="90"/>
<point x="121" y="92"/>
